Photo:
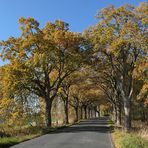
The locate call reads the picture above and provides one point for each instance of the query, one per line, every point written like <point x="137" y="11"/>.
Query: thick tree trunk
<point x="114" y="118"/>
<point x="127" y="111"/>
<point x="48" y="112"/>
<point x="66" y="111"/>
<point x="126" y="97"/>
<point x="118" y="121"/>
<point x="118" y="114"/>
<point x="143" y="118"/>
<point x="143" y="115"/>
<point x="77" y="114"/>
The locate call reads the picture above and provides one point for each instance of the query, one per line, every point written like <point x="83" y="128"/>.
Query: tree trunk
<point x="142" y="112"/>
<point x="118" y="114"/>
<point x="91" y="113"/>
<point x="98" y="111"/>
<point x="143" y="115"/>
<point x="81" y="112"/>
<point x="95" y="111"/>
<point x="77" y="114"/>
<point x="95" y="114"/>
<point x="66" y="110"/>
<point x="114" y="113"/>
<point x="127" y="111"/>
<point x="118" y="121"/>
<point x="48" y="104"/>
<point x="85" y="112"/>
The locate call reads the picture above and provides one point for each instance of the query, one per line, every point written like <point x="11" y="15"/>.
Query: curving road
<point x="91" y="133"/>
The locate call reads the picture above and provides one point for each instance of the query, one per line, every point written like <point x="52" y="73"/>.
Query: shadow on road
<point x="91" y="125"/>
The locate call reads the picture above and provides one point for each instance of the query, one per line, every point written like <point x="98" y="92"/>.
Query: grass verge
<point x="6" y="142"/>
<point x="122" y="139"/>
<point x="10" y="141"/>
<point x="128" y="140"/>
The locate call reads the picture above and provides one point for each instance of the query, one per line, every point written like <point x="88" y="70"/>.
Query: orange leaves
<point x="140" y="71"/>
<point x="22" y="54"/>
<point x="37" y="46"/>
<point x="129" y="30"/>
<point x="117" y="46"/>
<point x="53" y="75"/>
<point x="11" y="113"/>
<point x="120" y="27"/>
<point x="62" y="25"/>
<point x="28" y="24"/>
<point x="66" y="40"/>
<point x="59" y="38"/>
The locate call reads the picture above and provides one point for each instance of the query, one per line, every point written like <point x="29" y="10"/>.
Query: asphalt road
<point x="92" y="133"/>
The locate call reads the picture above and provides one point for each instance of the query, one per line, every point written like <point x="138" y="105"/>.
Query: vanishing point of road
<point x="91" y="133"/>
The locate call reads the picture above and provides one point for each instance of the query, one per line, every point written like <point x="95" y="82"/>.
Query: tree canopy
<point x="100" y="71"/>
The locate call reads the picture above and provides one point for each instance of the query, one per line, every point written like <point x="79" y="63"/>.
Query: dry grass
<point x="137" y="138"/>
<point x="140" y="128"/>
<point x="128" y="140"/>
<point x="143" y="133"/>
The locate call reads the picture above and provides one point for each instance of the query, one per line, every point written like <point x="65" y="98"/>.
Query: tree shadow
<point x="91" y="125"/>
<point x="8" y="145"/>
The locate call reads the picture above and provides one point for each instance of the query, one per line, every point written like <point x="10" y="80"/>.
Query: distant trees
<point x="84" y="95"/>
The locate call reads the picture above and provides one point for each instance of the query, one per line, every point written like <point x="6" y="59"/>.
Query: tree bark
<point x="48" y="104"/>
<point x="81" y="112"/>
<point x="118" y="118"/>
<point x="95" y="111"/>
<point x="95" y="114"/>
<point x="126" y="97"/>
<point x="114" y="113"/>
<point x="143" y="118"/>
<point x="89" y="113"/>
<point x="118" y="114"/>
<point x="85" y="112"/>
<point x="66" y="110"/>
<point x="127" y="111"/>
<point x="77" y="114"/>
<point x="98" y="111"/>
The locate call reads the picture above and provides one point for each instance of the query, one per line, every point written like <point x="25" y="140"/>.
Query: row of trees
<point x="120" y="39"/>
<point x="41" y="63"/>
<point x="107" y="64"/>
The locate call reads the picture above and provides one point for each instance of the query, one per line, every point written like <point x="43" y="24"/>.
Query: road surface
<point x="91" y="133"/>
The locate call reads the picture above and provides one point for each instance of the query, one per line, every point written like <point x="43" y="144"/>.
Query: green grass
<point x="111" y="125"/>
<point x="9" y="141"/>
<point x="128" y="140"/>
<point x="110" y="122"/>
<point x="122" y="139"/>
<point x="6" y="142"/>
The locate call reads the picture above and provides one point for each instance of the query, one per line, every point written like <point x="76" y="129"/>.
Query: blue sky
<point x="80" y="14"/>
